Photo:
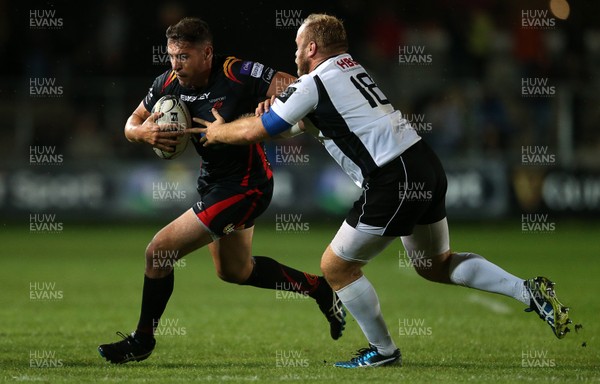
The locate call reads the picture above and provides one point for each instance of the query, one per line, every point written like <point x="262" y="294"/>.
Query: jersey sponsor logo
<point x="227" y="68"/>
<point x="289" y="91"/>
<point x="346" y="63"/>
<point x="268" y="75"/>
<point x="218" y="104"/>
<point x="214" y="100"/>
<point x="246" y="67"/>
<point x="192" y="98"/>
<point x="257" y="70"/>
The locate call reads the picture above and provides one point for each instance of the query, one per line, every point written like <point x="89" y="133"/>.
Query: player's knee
<point x="152" y="250"/>
<point x="435" y="269"/>
<point x="340" y="273"/>
<point x="233" y="275"/>
<point x="159" y="259"/>
<point x="330" y="271"/>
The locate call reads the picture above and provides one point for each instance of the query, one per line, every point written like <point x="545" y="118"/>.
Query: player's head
<point x="320" y="36"/>
<point x="190" y="49"/>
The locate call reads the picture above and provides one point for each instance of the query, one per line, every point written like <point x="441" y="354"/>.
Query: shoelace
<point x="364" y="354"/>
<point x="124" y="336"/>
<point x="336" y="309"/>
<point x="544" y="309"/>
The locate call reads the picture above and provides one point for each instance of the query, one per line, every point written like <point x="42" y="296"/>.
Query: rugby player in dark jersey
<point x="235" y="186"/>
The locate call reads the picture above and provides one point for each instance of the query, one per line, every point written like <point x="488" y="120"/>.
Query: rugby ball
<point x="176" y="116"/>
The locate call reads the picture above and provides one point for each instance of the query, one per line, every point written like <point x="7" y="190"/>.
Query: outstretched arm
<point x="243" y="131"/>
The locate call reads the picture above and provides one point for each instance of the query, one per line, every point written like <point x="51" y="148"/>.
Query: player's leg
<point x="232" y="255"/>
<point x="232" y="252"/>
<point x="178" y="238"/>
<point x="342" y="265"/>
<point x="429" y="249"/>
<point x="234" y="263"/>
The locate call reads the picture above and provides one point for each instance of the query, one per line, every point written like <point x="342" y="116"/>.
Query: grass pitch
<point x="64" y="293"/>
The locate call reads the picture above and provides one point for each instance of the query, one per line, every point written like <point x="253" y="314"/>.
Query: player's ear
<point x="208" y="51"/>
<point x="312" y="49"/>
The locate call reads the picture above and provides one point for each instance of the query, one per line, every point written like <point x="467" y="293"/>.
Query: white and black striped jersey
<point x="359" y="127"/>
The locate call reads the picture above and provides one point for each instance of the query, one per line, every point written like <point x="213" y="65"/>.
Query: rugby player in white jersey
<point x="385" y="156"/>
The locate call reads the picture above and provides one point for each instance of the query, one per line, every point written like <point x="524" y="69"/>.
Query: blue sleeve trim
<point x="274" y="125"/>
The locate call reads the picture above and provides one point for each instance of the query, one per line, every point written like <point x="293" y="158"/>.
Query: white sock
<point x="474" y="271"/>
<point x="361" y="300"/>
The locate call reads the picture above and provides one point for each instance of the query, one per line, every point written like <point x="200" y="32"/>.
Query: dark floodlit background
<point x="505" y="91"/>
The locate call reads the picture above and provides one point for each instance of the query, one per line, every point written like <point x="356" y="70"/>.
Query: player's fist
<point x="264" y="106"/>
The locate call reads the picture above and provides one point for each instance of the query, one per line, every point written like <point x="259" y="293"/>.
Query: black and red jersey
<point x="234" y="88"/>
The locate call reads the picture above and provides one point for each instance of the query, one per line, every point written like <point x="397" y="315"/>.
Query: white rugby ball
<point x="176" y="116"/>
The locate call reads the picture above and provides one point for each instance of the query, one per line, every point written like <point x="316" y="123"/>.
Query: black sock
<point x="270" y="274"/>
<point x="155" y="295"/>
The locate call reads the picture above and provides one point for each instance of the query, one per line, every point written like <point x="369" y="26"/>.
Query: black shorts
<point x="224" y="207"/>
<point x="407" y="191"/>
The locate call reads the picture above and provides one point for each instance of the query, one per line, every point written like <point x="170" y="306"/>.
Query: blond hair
<point x="327" y="32"/>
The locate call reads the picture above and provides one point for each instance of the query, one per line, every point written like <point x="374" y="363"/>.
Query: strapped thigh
<point x="427" y="240"/>
<point x="353" y="245"/>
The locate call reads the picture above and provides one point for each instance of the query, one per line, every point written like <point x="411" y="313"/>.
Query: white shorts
<point x="426" y="241"/>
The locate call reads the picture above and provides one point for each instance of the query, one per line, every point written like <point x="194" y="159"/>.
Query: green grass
<point x="229" y="333"/>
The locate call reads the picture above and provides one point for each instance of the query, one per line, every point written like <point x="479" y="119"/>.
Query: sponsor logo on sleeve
<point x="268" y="75"/>
<point x="283" y="96"/>
<point x="246" y="67"/>
<point x="257" y="70"/>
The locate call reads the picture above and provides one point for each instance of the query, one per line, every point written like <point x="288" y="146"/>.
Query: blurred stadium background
<point x="505" y="91"/>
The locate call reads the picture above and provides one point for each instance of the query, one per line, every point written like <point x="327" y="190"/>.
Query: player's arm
<point x="243" y="131"/>
<point x="141" y="127"/>
<point x="297" y="101"/>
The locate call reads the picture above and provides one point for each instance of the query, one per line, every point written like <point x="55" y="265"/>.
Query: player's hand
<point x="158" y="135"/>
<point x="209" y="133"/>
<point x="264" y="106"/>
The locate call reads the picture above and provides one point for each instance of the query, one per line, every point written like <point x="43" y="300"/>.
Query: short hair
<point x="327" y="31"/>
<point x="190" y="30"/>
